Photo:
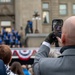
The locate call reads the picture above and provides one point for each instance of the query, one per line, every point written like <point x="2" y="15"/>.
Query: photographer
<point x="64" y="64"/>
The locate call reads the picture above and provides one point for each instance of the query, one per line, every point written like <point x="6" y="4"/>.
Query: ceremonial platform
<point x="34" y="40"/>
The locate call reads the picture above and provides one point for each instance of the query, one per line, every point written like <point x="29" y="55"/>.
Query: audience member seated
<point x="16" y="68"/>
<point x="6" y="55"/>
<point x="30" y="69"/>
<point x="10" y="38"/>
<point x="25" y="70"/>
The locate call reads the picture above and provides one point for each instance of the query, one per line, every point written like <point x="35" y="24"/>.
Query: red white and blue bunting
<point x="24" y="54"/>
<point x="27" y="53"/>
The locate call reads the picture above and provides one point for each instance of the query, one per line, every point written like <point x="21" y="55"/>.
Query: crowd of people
<point x="10" y="38"/>
<point x="19" y="69"/>
<point x="15" y="68"/>
<point x="43" y="65"/>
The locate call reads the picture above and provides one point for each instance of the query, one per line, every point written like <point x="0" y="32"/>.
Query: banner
<point x="24" y="54"/>
<point x="27" y="53"/>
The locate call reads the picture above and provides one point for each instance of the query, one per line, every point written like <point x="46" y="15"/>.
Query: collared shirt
<point x="8" y="71"/>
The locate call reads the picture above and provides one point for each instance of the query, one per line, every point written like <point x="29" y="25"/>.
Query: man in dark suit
<point x="65" y="63"/>
<point x="2" y="68"/>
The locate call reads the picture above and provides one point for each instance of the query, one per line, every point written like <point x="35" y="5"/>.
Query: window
<point x="73" y="8"/>
<point x="45" y="7"/>
<point x="3" y="1"/>
<point x="45" y="17"/>
<point x="5" y="23"/>
<point x="63" y="9"/>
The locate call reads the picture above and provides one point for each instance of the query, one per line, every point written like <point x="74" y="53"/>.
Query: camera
<point x="57" y="26"/>
<point x="57" y="29"/>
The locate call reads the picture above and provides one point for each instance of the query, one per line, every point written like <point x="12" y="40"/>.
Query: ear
<point x="63" y="39"/>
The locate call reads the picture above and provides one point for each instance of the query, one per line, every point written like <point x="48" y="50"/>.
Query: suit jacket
<point x="63" y="65"/>
<point x="2" y="68"/>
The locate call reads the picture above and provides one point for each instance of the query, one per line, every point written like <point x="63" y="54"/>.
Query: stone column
<point x="18" y="14"/>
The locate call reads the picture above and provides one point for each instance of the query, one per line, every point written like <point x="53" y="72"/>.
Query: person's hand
<point x="24" y="66"/>
<point x="59" y="41"/>
<point x="51" y="38"/>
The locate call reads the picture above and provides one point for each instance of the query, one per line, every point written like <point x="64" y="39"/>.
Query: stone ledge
<point x="36" y="35"/>
<point x="34" y="40"/>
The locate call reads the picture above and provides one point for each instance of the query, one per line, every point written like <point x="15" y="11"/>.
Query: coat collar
<point x="68" y="51"/>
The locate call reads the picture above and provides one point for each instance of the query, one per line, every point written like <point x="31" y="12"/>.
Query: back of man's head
<point x="5" y="53"/>
<point x="68" y="29"/>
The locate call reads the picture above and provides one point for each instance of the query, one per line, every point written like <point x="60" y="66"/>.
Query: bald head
<point x="68" y="30"/>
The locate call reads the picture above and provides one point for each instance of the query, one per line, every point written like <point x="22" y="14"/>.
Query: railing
<point x="27" y="53"/>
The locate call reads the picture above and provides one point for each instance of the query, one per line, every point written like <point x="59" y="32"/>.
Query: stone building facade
<point x="18" y="12"/>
